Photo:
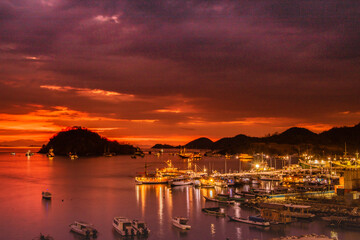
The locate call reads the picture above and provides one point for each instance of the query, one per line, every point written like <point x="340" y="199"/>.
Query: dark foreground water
<point x="97" y="189"/>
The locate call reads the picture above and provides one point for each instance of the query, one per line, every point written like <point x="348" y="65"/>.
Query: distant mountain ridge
<point x="292" y="140"/>
<point x="200" y="143"/>
<point x="84" y="142"/>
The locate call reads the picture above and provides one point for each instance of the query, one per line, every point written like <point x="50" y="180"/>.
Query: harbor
<point x="77" y="197"/>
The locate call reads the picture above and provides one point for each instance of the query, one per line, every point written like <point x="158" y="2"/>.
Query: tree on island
<point x="84" y="142"/>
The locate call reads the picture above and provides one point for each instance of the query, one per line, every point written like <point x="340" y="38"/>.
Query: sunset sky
<point x="148" y="72"/>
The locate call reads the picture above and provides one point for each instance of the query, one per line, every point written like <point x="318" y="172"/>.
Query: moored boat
<point x="217" y="211"/>
<point x="183" y="154"/>
<point x="219" y="200"/>
<point x="73" y="156"/>
<point x="83" y="228"/>
<point x="151" y="179"/>
<point x="181" y="223"/>
<point x="124" y="226"/>
<point x="254" y="220"/>
<point x="207" y="182"/>
<point x="181" y="181"/>
<point x="140" y="227"/>
<point x="29" y="153"/>
<point x="299" y="211"/>
<point x="51" y="154"/>
<point x="46" y="195"/>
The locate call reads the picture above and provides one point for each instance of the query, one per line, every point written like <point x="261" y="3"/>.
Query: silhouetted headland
<point x="164" y="146"/>
<point x="293" y="140"/>
<point x="84" y="142"/>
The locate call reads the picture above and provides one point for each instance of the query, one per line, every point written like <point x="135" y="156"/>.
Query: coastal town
<point x="304" y="188"/>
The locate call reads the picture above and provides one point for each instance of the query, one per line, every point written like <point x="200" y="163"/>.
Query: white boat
<point x="251" y="220"/>
<point x="181" y="223"/>
<point x="83" y="228"/>
<point x="124" y="226"/>
<point x="46" y="195"/>
<point x="181" y="181"/>
<point x="140" y="227"/>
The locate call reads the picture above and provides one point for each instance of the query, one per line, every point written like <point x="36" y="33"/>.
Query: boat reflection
<point x="212" y="229"/>
<point x="46" y="204"/>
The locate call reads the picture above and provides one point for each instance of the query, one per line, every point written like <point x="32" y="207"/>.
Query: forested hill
<point x="84" y="142"/>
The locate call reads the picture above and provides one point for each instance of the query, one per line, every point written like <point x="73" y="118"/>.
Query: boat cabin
<point x="122" y="223"/>
<point x="183" y="221"/>
<point x="299" y="211"/>
<point x="275" y="213"/>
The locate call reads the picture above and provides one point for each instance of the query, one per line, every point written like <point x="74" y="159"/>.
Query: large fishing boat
<point x="313" y="163"/>
<point x="346" y="161"/>
<point x="170" y="171"/>
<point x="151" y="179"/>
<point x="183" y="154"/>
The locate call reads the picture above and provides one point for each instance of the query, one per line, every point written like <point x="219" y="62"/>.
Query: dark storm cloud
<point x="228" y="60"/>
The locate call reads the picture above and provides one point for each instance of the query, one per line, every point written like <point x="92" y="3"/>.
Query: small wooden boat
<point x="83" y="228"/>
<point x="219" y="212"/>
<point x="219" y="200"/>
<point x="46" y="195"/>
<point x="140" y="227"/>
<point x="258" y="221"/>
<point x="181" y="223"/>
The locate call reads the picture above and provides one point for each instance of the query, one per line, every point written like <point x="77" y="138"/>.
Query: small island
<point x="84" y="142"/>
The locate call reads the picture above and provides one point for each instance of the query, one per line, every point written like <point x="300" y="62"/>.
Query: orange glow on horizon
<point x="39" y="125"/>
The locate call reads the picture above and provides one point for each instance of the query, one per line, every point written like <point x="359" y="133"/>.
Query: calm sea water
<point x="97" y="189"/>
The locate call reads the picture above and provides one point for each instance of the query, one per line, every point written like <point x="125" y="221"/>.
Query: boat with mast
<point x="148" y="178"/>
<point x="183" y="154"/>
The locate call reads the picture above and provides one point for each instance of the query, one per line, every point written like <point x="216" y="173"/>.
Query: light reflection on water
<point x="98" y="189"/>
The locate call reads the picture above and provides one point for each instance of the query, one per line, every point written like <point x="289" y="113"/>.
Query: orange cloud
<point x="97" y="94"/>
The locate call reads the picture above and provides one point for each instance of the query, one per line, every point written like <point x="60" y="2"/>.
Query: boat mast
<point x="225" y="166"/>
<point x="345" y="153"/>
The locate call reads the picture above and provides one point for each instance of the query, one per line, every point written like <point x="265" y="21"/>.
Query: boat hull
<point x="79" y="231"/>
<point x="183" y="227"/>
<point x="176" y="184"/>
<point x="124" y="233"/>
<point x="245" y="220"/>
<point x="218" y="201"/>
